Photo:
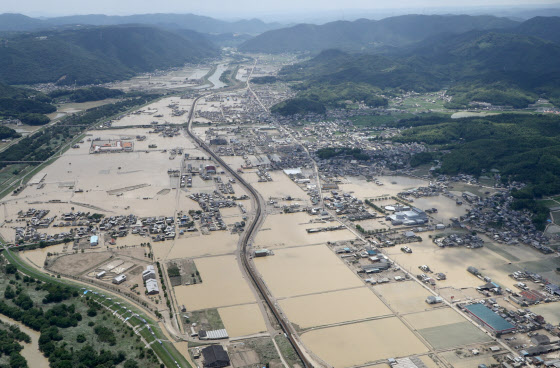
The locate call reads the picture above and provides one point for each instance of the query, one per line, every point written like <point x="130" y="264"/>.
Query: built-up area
<point x="370" y="262"/>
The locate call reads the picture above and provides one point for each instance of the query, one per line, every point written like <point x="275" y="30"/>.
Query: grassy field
<point x="287" y="351"/>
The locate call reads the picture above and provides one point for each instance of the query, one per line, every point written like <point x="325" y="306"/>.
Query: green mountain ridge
<point x="364" y="34"/>
<point x="96" y="54"/>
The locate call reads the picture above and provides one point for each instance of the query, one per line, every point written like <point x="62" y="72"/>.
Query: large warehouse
<point x="489" y="319"/>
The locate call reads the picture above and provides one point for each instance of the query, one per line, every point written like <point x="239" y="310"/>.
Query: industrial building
<point x="408" y="218"/>
<point x="100" y="146"/>
<point x="149" y="273"/>
<point x="489" y="319"/>
<point x="215" y="356"/>
<point x="119" y="279"/>
<point x="152" y="287"/>
<point x="213" y="335"/>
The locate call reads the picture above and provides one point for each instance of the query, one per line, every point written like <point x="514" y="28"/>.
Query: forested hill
<point x="364" y="34"/>
<point x="96" y="54"/>
<point x="499" y="68"/>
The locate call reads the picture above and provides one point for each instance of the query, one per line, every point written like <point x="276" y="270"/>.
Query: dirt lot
<point x="77" y="264"/>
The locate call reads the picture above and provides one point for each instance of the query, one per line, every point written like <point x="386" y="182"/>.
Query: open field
<point x="242" y="320"/>
<point x="222" y="285"/>
<point x="359" y="343"/>
<point x="304" y="270"/>
<point x="290" y="229"/>
<point x="334" y="307"/>
<point x="469" y="360"/>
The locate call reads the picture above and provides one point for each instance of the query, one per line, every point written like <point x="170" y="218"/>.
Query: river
<point x="31" y="351"/>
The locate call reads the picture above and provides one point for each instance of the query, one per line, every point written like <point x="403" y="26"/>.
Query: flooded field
<point x="242" y="320"/>
<point x="30" y="351"/>
<point x="392" y="185"/>
<point x="447" y="208"/>
<point x="222" y="285"/>
<point x="305" y="270"/>
<point x="334" y="307"/>
<point x="291" y="229"/>
<point x="198" y="245"/>
<point x="162" y="112"/>
<point x="454" y="262"/>
<point x="444" y="328"/>
<point x="550" y="312"/>
<point x="405" y="297"/>
<point x="360" y="343"/>
<point x="281" y="186"/>
<point x="185" y="77"/>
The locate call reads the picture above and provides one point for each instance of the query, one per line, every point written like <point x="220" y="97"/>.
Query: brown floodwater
<point x="30" y="352"/>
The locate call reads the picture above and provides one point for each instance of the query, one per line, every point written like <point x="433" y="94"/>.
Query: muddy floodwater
<point x="242" y="320"/>
<point x="215" y="78"/>
<point x="305" y="270"/>
<point x="334" y="307"/>
<point x="222" y="285"/>
<point x="291" y="229"/>
<point x="392" y="185"/>
<point x="360" y="343"/>
<point x="30" y="352"/>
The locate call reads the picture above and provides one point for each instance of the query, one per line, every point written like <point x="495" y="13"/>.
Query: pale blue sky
<point x="235" y="8"/>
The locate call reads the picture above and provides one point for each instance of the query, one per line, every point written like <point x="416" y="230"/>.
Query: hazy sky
<point x="233" y="8"/>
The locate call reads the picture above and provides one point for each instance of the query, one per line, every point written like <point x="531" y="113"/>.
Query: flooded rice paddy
<point x="360" y="343"/>
<point x="333" y="307"/>
<point x="222" y="285"/>
<point x="405" y="297"/>
<point x="242" y="320"/>
<point x="305" y="270"/>
<point x="287" y="230"/>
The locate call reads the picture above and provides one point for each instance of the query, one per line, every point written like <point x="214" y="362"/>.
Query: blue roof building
<point x="489" y="319"/>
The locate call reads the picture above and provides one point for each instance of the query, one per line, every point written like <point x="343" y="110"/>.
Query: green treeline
<point x="87" y="94"/>
<point x="300" y="106"/>
<point x="345" y="152"/>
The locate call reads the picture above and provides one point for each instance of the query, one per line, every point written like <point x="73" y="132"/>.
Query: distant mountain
<point x="363" y="34"/>
<point x="18" y="22"/>
<point x="96" y="54"/>
<point x="547" y="28"/>
<point x="500" y="68"/>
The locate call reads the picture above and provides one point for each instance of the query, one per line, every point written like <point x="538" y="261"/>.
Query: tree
<point x="11" y="269"/>
<point x="130" y="364"/>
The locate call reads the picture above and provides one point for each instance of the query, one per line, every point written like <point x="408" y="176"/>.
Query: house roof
<point x="214" y="353"/>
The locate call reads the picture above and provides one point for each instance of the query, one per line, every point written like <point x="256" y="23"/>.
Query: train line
<point x="287" y="328"/>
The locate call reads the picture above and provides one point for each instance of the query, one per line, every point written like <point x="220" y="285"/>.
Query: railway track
<point x="287" y="328"/>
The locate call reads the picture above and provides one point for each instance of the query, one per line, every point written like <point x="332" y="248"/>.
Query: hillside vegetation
<point x="364" y="34"/>
<point x="95" y="54"/>
<point x="499" y="68"/>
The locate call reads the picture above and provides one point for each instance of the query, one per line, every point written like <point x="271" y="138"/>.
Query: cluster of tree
<point x="298" y="106"/>
<point x="6" y="133"/>
<point x="340" y="95"/>
<point x="524" y="148"/>
<point x="24" y="104"/>
<point x="264" y="80"/>
<point x="105" y="334"/>
<point x="10" y="338"/>
<point x="344" y="152"/>
<point x="87" y="94"/>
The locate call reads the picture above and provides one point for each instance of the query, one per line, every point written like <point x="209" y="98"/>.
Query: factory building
<point x="152" y="287"/>
<point x="408" y="218"/>
<point x="215" y="356"/>
<point x="149" y="273"/>
<point x="119" y="279"/>
<point x="489" y="319"/>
